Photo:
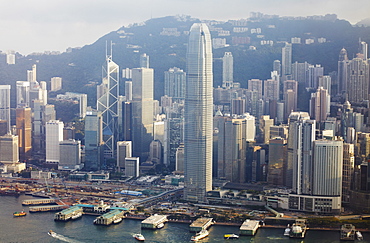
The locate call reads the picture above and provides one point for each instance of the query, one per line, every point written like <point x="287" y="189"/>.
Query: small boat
<point x="117" y="220"/>
<point x="231" y="236"/>
<point x="200" y="235"/>
<point x="359" y="235"/>
<point x="76" y="216"/>
<point x="347" y="232"/>
<point x="19" y="214"/>
<point x="160" y="226"/>
<point x="52" y="233"/>
<point x="139" y="237"/>
<point x="287" y="230"/>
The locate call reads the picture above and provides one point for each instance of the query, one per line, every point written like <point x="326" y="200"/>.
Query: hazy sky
<point x="35" y="26"/>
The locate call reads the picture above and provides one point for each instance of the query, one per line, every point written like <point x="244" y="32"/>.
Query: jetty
<point x="347" y="232"/>
<point x="48" y="208"/>
<point x="201" y="224"/>
<point x="40" y="201"/>
<point x="69" y="213"/>
<point x="154" y="222"/>
<point x="249" y="227"/>
<point x="110" y="217"/>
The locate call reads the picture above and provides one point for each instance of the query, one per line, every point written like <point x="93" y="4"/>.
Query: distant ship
<point x="202" y="234"/>
<point x="231" y="236"/>
<point x="19" y="214"/>
<point x="139" y="237"/>
<point x="287" y="230"/>
<point x="52" y="233"/>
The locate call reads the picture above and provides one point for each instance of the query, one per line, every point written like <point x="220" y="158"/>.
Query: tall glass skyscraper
<point x="198" y="114"/>
<point x="5" y="104"/>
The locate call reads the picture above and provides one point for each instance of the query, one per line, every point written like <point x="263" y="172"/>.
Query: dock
<point x="69" y="213"/>
<point x="154" y="222"/>
<point x="249" y="227"/>
<point x="201" y="224"/>
<point x="40" y="201"/>
<point x="47" y="208"/>
<point x="110" y="217"/>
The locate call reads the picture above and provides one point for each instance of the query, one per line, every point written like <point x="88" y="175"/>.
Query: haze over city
<point x="42" y="25"/>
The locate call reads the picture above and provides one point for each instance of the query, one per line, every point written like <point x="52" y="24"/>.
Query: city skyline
<point x="76" y="24"/>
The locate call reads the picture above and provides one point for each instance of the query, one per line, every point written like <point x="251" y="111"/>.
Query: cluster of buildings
<point x="201" y="133"/>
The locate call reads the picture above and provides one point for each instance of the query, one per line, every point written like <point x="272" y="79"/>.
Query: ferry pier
<point x="153" y="221"/>
<point x="249" y="227"/>
<point x="201" y="224"/>
<point x="113" y="216"/>
<point x="69" y="213"/>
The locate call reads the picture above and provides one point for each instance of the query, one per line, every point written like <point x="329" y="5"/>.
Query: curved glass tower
<point x="198" y="114"/>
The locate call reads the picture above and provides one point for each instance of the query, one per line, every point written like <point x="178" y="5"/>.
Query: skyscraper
<point x="357" y="80"/>
<point x="107" y="104"/>
<point x="174" y="83"/>
<point x="54" y="135"/>
<point x="320" y="105"/>
<point x="227" y="70"/>
<point x="342" y="71"/>
<point x="5" y="104"/>
<point x="23" y="93"/>
<point x="198" y="114"/>
<point x="286" y="61"/>
<point x="24" y="131"/>
<point x="144" y="60"/>
<point x="93" y="140"/>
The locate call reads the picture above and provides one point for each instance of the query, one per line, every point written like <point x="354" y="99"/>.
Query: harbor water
<point x="35" y="226"/>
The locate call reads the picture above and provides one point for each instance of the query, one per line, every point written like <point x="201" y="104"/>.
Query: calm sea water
<point x="34" y="228"/>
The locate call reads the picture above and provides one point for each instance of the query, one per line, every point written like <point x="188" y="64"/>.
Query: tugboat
<point x="139" y="237"/>
<point x="298" y="229"/>
<point x="231" y="236"/>
<point x="19" y="214"/>
<point x="287" y="230"/>
<point x="359" y="235"/>
<point x="347" y="232"/>
<point x="200" y="235"/>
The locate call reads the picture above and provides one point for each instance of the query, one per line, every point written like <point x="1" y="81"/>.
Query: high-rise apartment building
<point x="5" y="104"/>
<point x="198" y="114"/>
<point x="256" y="85"/>
<point x="23" y="93"/>
<point x="286" y="61"/>
<point x="107" y="104"/>
<point x="320" y="105"/>
<point x="144" y="60"/>
<point x="55" y="83"/>
<point x="174" y="83"/>
<point x="227" y="70"/>
<point x="277" y="67"/>
<point x="357" y="80"/>
<point x="313" y="74"/>
<point x="271" y="90"/>
<point x="142" y="111"/>
<point x="290" y="97"/>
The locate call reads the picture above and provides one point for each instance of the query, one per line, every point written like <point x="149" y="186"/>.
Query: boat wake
<point x="64" y="238"/>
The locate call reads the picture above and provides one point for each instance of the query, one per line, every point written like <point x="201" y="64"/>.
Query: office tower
<point x="198" y="114"/>
<point x="280" y="114"/>
<point x="70" y="155"/>
<point x="36" y="92"/>
<point x="290" y="97"/>
<point x="173" y="137"/>
<point x="313" y="74"/>
<point x="3" y="127"/>
<point x="174" y="83"/>
<point x="158" y="130"/>
<point x="325" y="82"/>
<point x="295" y="121"/>
<point x="5" y="104"/>
<point x="299" y="72"/>
<point x="54" y="135"/>
<point x="348" y="170"/>
<point x="128" y="90"/>
<point x="227" y="70"/>
<point x="93" y="140"/>
<point x="280" y="131"/>
<point x="23" y="93"/>
<point x="286" y="61"/>
<point x="357" y="80"/>
<point x="142" y="111"/>
<point x="271" y="90"/>
<point x="124" y="150"/>
<point x="144" y="60"/>
<point x="277" y="67"/>
<point x="180" y="158"/>
<point x="256" y="85"/>
<point x="276" y="161"/>
<point x="342" y="71"/>
<point x="238" y="106"/>
<point x="127" y="121"/>
<point x="265" y="124"/>
<point x="107" y="104"/>
<point x="155" y="152"/>
<point x="320" y="105"/>
<point x="55" y="83"/>
<point x="132" y="167"/>
<point x="364" y="50"/>
<point x="24" y="132"/>
<point x="9" y="151"/>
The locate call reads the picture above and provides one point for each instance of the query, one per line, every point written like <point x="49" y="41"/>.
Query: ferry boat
<point x="117" y="220"/>
<point x="202" y="234"/>
<point x="359" y="235"/>
<point x="231" y="236"/>
<point x="19" y="214"/>
<point x="160" y="226"/>
<point x="139" y="237"/>
<point x="52" y="233"/>
<point x="287" y="230"/>
<point x="76" y="216"/>
<point x="298" y="229"/>
<point x="347" y="232"/>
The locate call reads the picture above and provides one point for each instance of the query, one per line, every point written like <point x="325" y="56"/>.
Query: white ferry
<point x="139" y="237"/>
<point x="202" y="234"/>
